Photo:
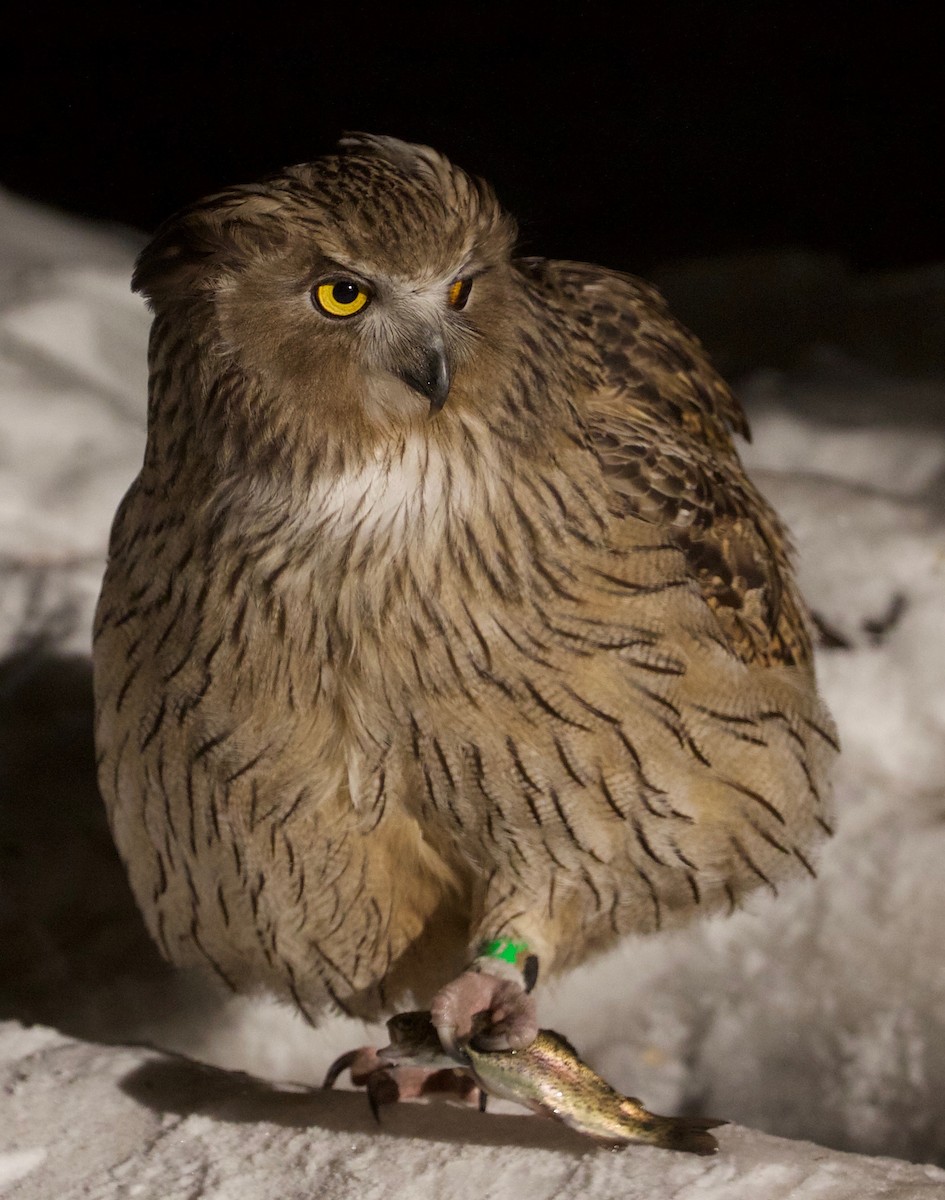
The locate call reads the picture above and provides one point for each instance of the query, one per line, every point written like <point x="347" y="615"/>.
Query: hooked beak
<point x="430" y="375"/>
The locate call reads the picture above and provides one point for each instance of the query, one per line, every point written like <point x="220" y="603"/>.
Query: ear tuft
<point x="177" y="264"/>
<point x="192" y="251"/>
<point x="408" y="157"/>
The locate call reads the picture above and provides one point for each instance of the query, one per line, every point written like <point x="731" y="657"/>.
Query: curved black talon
<point x="338" y="1066"/>
<point x="381" y="1089"/>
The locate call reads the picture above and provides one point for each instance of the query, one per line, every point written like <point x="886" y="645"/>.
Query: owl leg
<point x="387" y="1084"/>
<point x="491" y="1000"/>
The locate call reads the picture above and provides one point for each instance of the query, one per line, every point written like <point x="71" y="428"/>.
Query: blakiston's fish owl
<point x="442" y="633"/>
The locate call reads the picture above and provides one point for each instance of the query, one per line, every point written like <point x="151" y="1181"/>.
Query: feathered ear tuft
<point x="193" y="250"/>
<point x="177" y="264"/>
<point x="409" y="157"/>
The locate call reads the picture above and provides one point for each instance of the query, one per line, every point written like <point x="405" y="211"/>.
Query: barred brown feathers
<point x="435" y="623"/>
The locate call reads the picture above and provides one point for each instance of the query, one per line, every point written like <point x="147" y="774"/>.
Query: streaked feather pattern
<point x="374" y="684"/>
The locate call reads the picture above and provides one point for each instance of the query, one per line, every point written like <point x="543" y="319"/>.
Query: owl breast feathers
<point x="442" y="610"/>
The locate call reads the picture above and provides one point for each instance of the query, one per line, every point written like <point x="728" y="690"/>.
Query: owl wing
<point x="661" y="422"/>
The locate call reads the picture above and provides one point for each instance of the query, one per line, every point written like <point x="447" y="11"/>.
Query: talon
<point x="449" y="1041"/>
<point x="339" y="1066"/>
<point x="382" y="1088"/>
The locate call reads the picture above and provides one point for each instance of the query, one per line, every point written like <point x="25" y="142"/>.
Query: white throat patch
<point x="406" y="492"/>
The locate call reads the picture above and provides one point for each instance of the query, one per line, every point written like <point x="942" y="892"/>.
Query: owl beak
<point x="430" y="376"/>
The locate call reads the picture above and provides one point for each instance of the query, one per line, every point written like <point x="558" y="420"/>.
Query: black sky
<point x="700" y="128"/>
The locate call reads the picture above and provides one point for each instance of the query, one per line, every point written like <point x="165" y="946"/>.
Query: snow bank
<point x="103" y="1123"/>
<point x="819" y="1016"/>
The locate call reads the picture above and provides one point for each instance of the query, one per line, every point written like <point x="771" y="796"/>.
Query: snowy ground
<point x="819" y="1017"/>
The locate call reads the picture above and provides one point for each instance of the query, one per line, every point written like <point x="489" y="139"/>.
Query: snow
<point x="15" y="1165"/>
<point x="816" y="1020"/>
<point x="123" y="1122"/>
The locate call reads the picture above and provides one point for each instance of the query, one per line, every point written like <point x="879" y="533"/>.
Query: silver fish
<point x="550" y="1077"/>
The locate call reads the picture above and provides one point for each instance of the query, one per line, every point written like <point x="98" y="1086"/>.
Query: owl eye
<point x="459" y="293"/>
<point x="340" y="297"/>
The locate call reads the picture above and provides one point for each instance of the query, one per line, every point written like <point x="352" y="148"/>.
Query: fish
<point x="550" y="1077"/>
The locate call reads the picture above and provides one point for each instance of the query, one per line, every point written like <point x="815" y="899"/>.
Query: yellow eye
<point x="459" y="292"/>
<point x="340" y="297"/>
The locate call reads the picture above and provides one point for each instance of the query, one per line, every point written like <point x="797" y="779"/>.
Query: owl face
<point x="353" y="293"/>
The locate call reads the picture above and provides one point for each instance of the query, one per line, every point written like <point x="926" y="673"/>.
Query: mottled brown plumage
<point x="378" y="679"/>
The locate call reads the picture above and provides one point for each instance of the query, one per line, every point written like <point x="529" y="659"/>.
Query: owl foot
<point x="387" y="1084"/>
<point x="498" y="1012"/>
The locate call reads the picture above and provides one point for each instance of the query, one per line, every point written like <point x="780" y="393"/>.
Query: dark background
<point x="634" y="136"/>
<point x="701" y="127"/>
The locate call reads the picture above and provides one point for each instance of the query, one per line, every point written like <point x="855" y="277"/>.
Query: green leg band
<point x="516" y="954"/>
<point x="504" y="949"/>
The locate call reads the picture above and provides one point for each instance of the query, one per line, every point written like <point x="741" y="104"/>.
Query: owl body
<point x="389" y="661"/>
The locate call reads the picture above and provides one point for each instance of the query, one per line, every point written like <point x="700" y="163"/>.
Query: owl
<point x="443" y="640"/>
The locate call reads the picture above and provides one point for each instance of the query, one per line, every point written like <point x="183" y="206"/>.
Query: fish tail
<point x="689" y="1134"/>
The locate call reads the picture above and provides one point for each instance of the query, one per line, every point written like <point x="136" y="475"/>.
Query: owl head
<point x="349" y="294"/>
